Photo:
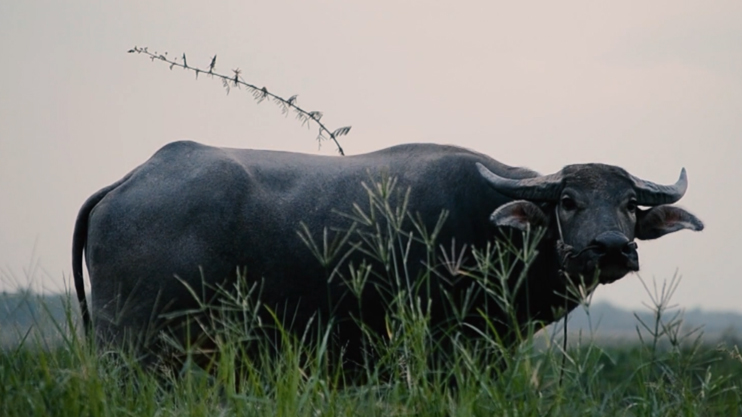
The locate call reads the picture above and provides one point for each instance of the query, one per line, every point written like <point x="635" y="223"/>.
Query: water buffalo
<point x="184" y="222"/>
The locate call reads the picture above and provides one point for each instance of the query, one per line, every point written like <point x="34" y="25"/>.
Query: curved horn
<point x="543" y="188"/>
<point x="651" y="194"/>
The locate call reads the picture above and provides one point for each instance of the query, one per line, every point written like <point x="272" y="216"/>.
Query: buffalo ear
<point x="661" y="220"/>
<point x="520" y="214"/>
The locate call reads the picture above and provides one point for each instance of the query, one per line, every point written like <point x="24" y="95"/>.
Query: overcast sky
<point x="650" y="86"/>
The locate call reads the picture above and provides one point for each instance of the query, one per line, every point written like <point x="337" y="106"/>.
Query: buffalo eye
<point x="568" y="203"/>
<point x="631" y="206"/>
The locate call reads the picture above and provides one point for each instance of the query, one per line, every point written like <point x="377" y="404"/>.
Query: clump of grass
<point x="257" y="365"/>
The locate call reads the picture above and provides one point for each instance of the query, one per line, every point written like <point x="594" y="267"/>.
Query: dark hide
<point x="195" y="212"/>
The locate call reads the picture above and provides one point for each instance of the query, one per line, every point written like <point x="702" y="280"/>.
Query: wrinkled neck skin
<point x="535" y="301"/>
<point x="548" y="293"/>
<point x="548" y="297"/>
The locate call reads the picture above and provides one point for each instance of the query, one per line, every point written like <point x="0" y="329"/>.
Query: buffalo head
<point x="593" y="212"/>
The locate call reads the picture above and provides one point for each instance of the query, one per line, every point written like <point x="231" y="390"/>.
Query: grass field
<point x="661" y="376"/>
<point x="668" y="371"/>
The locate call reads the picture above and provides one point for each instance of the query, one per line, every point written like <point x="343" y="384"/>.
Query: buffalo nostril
<point x="612" y="242"/>
<point x="629" y="248"/>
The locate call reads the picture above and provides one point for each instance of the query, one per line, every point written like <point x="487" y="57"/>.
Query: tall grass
<point x="256" y="365"/>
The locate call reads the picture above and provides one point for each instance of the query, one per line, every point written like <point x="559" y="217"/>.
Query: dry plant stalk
<point x="260" y="94"/>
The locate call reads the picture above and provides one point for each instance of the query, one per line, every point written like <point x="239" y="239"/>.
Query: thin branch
<point x="260" y="94"/>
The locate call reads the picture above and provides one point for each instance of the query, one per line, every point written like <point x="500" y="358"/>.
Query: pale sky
<point x="650" y="86"/>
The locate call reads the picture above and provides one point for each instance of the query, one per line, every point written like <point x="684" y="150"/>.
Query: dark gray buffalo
<point x="183" y="223"/>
